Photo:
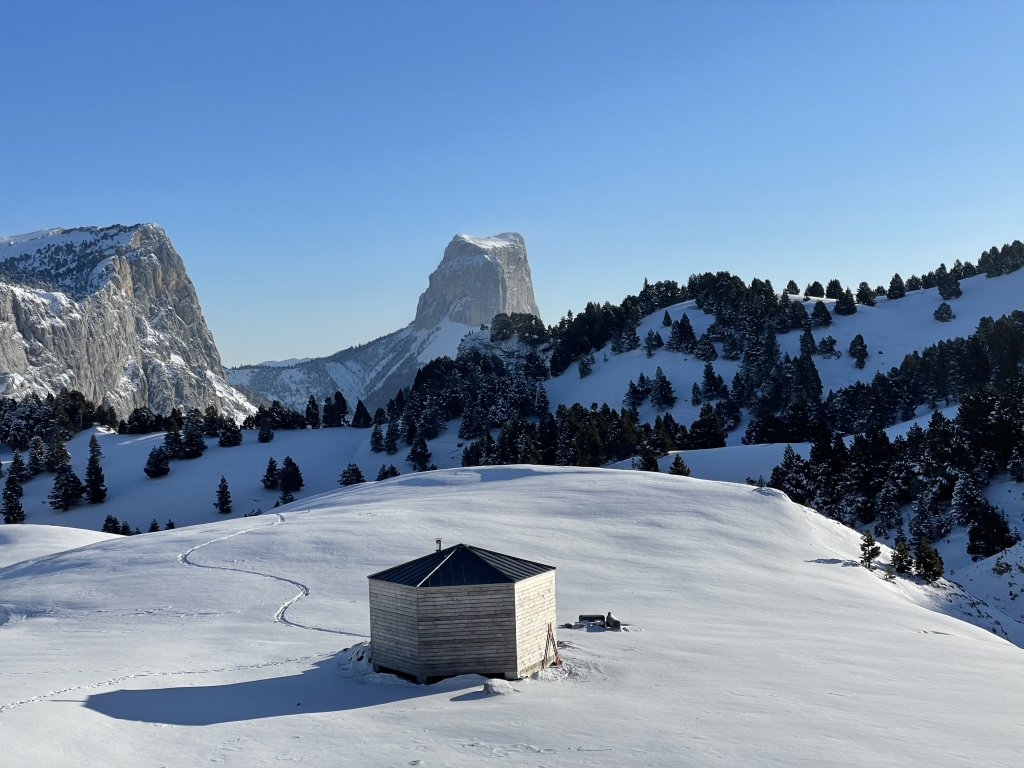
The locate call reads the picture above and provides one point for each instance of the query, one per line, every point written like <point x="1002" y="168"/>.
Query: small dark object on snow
<point x="593" y="618"/>
<point x="610" y="622"/>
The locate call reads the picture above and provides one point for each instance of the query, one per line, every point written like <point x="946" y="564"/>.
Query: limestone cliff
<point x="476" y="279"/>
<point x="112" y="313"/>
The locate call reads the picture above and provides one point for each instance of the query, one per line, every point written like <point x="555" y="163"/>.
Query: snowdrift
<point x="755" y="638"/>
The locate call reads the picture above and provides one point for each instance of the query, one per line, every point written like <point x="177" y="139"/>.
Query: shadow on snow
<point x="321" y="689"/>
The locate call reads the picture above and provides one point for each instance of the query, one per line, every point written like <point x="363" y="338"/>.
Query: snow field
<point x="757" y="640"/>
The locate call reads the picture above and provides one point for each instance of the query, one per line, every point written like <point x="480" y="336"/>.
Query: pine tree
<point x="792" y="288"/>
<point x="18" y="468"/>
<point x="287" y="497"/>
<point x="585" y="364"/>
<point x="290" y="477"/>
<point x="949" y="287"/>
<point x="223" y="502"/>
<point x="678" y="467"/>
<point x="391" y="439"/>
<point x="377" y="439"/>
<point x="95" y="487"/>
<point x="652" y="342"/>
<point x="927" y="562"/>
<point x="158" y="464"/>
<point x="352" y="475"/>
<point x="648" y="462"/>
<point x="944" y="313"/>
<point x="154" y="526"/>
<point x="682" y="338"/>
<point x="56" y="455"/>
<point x="666" y="320"/>
<point x="13" y="511"/>
<point x="706" y="431"/>
<point x="989" y="533"/>
<point x="272" y="477"/>
<point x="815" y="291"/>
<point x="387" y="472"/>
<point x="705" y="350"/>
<point x="192" y="442"/>
<point x="230" y="434"/>
<point x="340" y="409"/>
<point x="663" y="395"/>
<point x="266" y="434"/>
<point x="312" y="413"/>
<point x="859" y="350"/>
<point x="36" y="456"/>
<point x="67" y="489"/>
<point x="361" y="419"/>
<point x="1016" y="465"/>
<point x="173" y="446"/>
<point x="845" y="304"/>
<point x="834" y="289"/>
<point x="696" y="394"/>
<point x="807" y="344"/>
<point x="820" y="316"/>
<point x="897" y="290"/>
<point x="827" y="348"/>
<point x="869" y="550"/>
<point x="865" y="295"/>
<point x="419" y="456"/>
<point x="902" y="561"/>
<point x="169" y="525"/>
<point x="111" y="525"/>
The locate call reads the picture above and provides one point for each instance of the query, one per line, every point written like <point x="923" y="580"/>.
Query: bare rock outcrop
<point x="478" y="277"/>
<point x="112" y="313"/>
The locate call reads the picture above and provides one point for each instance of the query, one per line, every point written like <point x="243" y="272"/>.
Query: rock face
<point x="112" y="313"/>
<point x="477" y="279"/>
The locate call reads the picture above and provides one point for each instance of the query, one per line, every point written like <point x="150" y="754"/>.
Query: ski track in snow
<point x="279" y="617"/>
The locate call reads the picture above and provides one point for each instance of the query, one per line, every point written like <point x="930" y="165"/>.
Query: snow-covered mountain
<point x="754" y="638"/>
<point x="112" y="313"/>
<point x="477" y="279"/>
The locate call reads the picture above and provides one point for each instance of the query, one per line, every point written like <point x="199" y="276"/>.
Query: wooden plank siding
<point x="393" y="634"/>
<point x="535" y="609"/>
<point x="467" y="629"/>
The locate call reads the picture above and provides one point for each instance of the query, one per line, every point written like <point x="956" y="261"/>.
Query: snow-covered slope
<point x="112" y="313"/>
<point x="754" y="638"/>
<point x="26" y="542"/>
<point x="891" y="329"/>
<point x="478" y="277"/>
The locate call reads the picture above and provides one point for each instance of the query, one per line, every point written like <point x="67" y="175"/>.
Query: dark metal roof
<point x="459" y="566"/>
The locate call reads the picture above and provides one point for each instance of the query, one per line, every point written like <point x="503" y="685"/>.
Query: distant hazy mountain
<point x="110" y="312"/>
<point x="477" y="279"/>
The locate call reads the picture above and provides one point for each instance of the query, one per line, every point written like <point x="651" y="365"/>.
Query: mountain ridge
<point x="111" y="312"/>
<point x="476" y="279"/>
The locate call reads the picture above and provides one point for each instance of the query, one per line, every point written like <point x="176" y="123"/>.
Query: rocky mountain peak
<point x="478" y="278"/>
<point x="112" y="313"/>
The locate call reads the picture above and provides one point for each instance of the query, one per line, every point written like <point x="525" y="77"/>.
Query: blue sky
<point x="310" y="161"/>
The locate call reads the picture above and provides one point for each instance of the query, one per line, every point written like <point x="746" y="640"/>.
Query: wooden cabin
<point x="463" y="610"/>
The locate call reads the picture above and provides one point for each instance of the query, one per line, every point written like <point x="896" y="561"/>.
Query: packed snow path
<point x="280" y="617"/>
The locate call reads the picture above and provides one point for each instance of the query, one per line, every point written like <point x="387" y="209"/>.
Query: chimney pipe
<point x="438" y="544"/>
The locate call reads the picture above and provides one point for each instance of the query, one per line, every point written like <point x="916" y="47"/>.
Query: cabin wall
<point x="467" y="629"/>
<point x="535" y="609"/>
<point x="394" y="641"/>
